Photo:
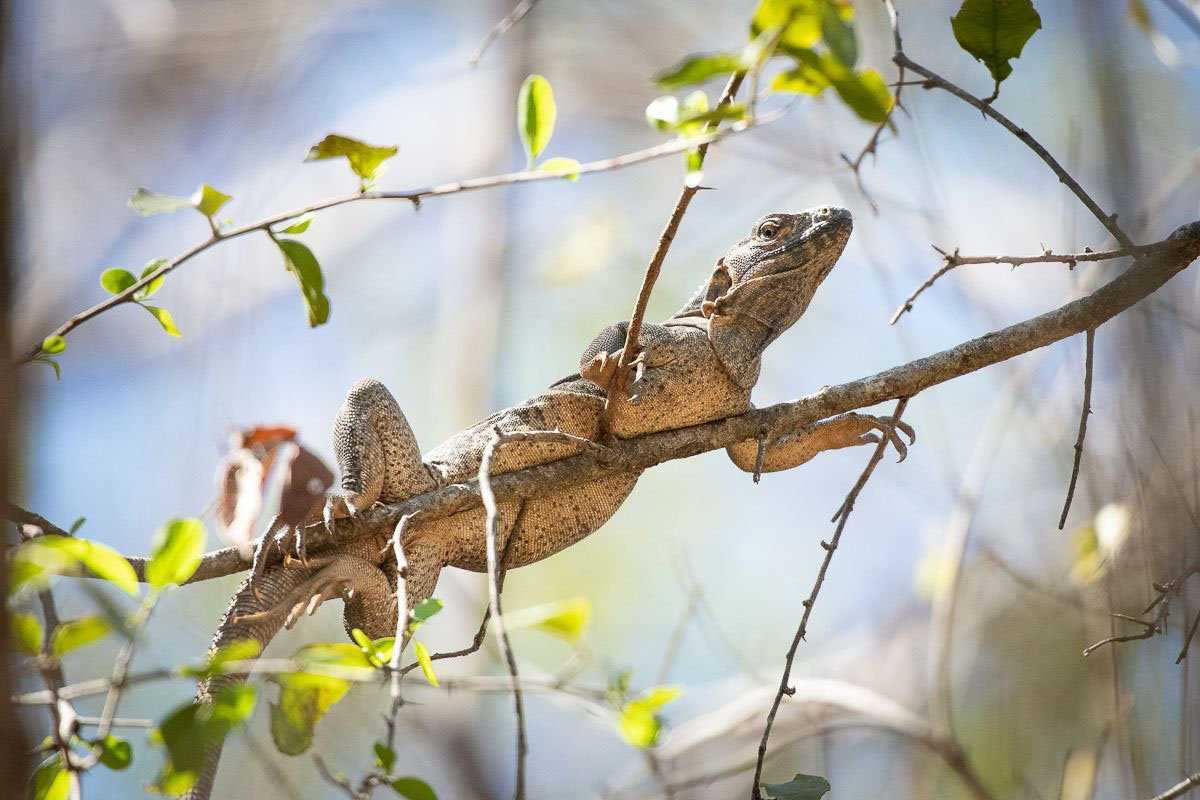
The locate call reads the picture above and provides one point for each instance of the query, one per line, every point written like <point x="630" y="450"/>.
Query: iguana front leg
<point x="846" y="430"/>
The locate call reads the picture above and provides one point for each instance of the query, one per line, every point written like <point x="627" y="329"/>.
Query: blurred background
<point x="476" y="301"/>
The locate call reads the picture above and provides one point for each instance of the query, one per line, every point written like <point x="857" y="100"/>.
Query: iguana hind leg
<point x="845" y="430"/>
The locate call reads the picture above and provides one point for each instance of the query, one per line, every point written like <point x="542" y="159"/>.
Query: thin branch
<point x="502" y="27"/>
<point x="1187" y="642"/>
<point x="402" y="618"/>
<point x="953" y="260"/>
<point x="1083" y="417"/>
<point x="830" y="548"/>
<point x="1179" y="789"/>
<point x="415" y="196"/>
<point x="1149" y="629"/>
<point x="1189" y="16"/>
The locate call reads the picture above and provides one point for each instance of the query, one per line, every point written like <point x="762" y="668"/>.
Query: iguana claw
<point x="888" y="428"/>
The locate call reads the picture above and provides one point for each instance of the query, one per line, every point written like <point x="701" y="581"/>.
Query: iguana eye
<point x="768" y="230"/>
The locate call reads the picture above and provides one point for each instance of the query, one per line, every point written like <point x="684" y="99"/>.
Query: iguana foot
<point x="889" y="429"/>
<point x="337" y="577"/>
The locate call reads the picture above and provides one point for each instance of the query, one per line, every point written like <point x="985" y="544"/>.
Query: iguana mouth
<point x="838" y="224"/>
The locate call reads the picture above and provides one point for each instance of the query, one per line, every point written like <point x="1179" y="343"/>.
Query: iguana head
<point x="764" y="283"/>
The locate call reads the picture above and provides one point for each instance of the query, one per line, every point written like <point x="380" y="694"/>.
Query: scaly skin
<point x="700" y="365"/>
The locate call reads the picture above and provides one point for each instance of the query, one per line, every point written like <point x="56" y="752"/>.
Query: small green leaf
<point x="694" y="123"/>
<point x="536" y="112"/>
<point x="839" y="34"/>
<point x="239" y="650"/>
<point x="50" y="362"/>
<point x="801" y="80"/>
<point x="164" y="318"/>
<point x="385" y="757"/>
<point x="154" y="285"/>
<point x="426" y="663"/>
<point x="413" y="789"/>
<point x="804" y="30"/>
<point x="190" y="730"/>
<point x="176" y="552"/>
<point x="27" y="633"/>
<point x="379" y="652"/>
<point x="303" y="700"/>
<point x="361" y="639"/>
<point x="663" y="113"/>
<point x="48" y="555"/>
<point x="300" y="225"/>
<point x="76" y="525"/>
<point x="301" y="262"/>
<point x="801" y="787"/>
<point x="567" y="619"/>
<point x="639" y="722"/>
<point x="995" y="32"/>
<point x="208" y="201"/>
<point x="560" y="164"/>
<point x="53" y="344"/>
<point x="425" y="609"/>
<point x="365" y="160"/>
<point x="50" y="781"/>
<point x="117" y="280"/>
<point x="867" y="94"/>
<point x="697" y="69"/>
<point x="148" y="203"/>
<point x="78" y="633"/>
<point x="115" y="753"/>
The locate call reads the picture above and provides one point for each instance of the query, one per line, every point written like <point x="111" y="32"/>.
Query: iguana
<point x="700" y="365"/>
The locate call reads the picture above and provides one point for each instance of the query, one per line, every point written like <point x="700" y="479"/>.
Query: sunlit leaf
<point x="164" y="319"/>
<point x="240" y="650"/>
<point x="59" y="555"/>
<point x="26" y="632"/>
<point x="995" y="32"/>
<point x="639" y="722"/>
<point x="53" y="344"/>
<point x="176" y="552"/>
<point x="208" y="201"/>
<point x="422" y="653"/>
<point x="117" y="280"/>
<point x="838" y="34"/>
<point x="304" y="697"/>
<point x="78" y="633"/>
<point x="801" y="787"/>
<point x="536" y="112"/>
<point x="300" y="225"/>
<point x="567" y="619"/>
<point x="365" y="160"/>
<point x="154" y="285"/>
<point x="1088" y="563"/>
<point x="804" y="29"/>
<point x="663" y="113"/>
<point x="148" y="203"/>
<point x="301" y="262"/>
<point x="412" y="789"/>
<point x="50" y="781"/>
<point x="115" y="752"/>
<point x="935" y="573"/>
<point x="425" y="609"/>
<point x="559" y="164"/>
<point x="697" y="69"/>
<point x="191" y="729"/>
<point x="385" y="757"/>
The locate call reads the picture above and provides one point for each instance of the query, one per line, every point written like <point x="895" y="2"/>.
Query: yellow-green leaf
<point x="663" y="113"/>
<point x="117" y="280"/>
<point x="303" y="699"/>
<point x="53" y="344"/>
<point x="567" y="619"/>
<point x="115" y="753"/>
<point x="176" y="552"/>
<point x="27" y="633"/>
<point x="804" y="29"/>
<point x="164" y="319"/>
<point x="239" y="650"/>
<point x="365" y="159"/>
<point x="63" y="554"/>
<point x="426" y="663"/>
<point x="301" y="262"/>
<point x="190" y="730"/>
<point x="995" y="32"/>
<point x="838" y="34"/>
<point x="154" y="285"/>
<point x="148" y="203"/>
<point x="78" y="633"/>
<point x="50" y="781"/>
<point x="569" y="166"/>
<point x="536" y="112"/>
<point x="697" y="69"/>
<point x="412" y="789"/>
<point x="300" y="225"/>
<point x="208" y="201"/>
<point x="639" y="723"/>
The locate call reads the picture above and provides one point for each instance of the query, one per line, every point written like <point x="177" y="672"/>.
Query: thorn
<point x="807" y="603"/>
<point x="826" y="545"/>
<point x="789" y="691"/>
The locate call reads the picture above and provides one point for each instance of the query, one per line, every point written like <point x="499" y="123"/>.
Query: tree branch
<point x="1083" y="417"/>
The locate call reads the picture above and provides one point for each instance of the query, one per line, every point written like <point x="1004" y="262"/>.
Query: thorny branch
<point x="502" y="27"/>
<point x="840" y="516"/>
<point x="1083" y="417"/>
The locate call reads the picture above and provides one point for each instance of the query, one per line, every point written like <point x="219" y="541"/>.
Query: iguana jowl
<point x="700" y="365"/>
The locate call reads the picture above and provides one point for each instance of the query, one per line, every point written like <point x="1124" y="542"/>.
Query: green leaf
<point x="76" y="525"/>
<point x="164" y="318"/>
<point x="304" y="697"/>
<point x="208" y="201"/>
<point x="117" y="280"/>
<point x="191" y="729"/>
<point x="176" y="552"/>
<point x="801" y="787"/>
<point x="839" y="34"/>
<point x="639" y="722"/>
<point x="50" y="362"/>
<point x="148" y="203"/>
<point x="867" y="94"/>
<point x="663" y="113"/>
<point x="694" y="123"/>
<point x="697" y="69"/>
<point x="300" y="225"/>
<point x="536" y="112"/>
<point x="567" y="619"/>
<point x="115" y="753"/>
<point x="48" y="555"/>
<point x="801" y="80"/>
<point x="560" y="164"/>
<point x="425" y="609"/>
<point x="53" y="344"/>
<point x="365" y="160"/>
<point x="78" y="633"/>
<point x="27" y="633"/>
<point x="804" y="30"/>
<point x="361" y="639"/>
<point x="413" y="789"/>
<point x="995" y="32"/>
<point x="301" y="262"/>
<point x="50" y="781"/>
<point x="154" y="285"/>
<point x="239" y="650"/>
<point x="385" y="757"/>
<point x="864" y="92"/>
<point x="426" y="663"/>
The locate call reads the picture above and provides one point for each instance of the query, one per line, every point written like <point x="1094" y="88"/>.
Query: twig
<point x="1187" y="642"/>
<point x="339" y="781"/>
<point x="1083" y="417"/>
<point x="1179" y="789"/>
<point x="1149" y="629"/>
<point x="415" y="196"/>
<point x="830" y="547"/>
<point x="954" y="260"/>
<point x="402" y="619"/>
<point x="502" y="27"/>
<point x="634" y="331"/>
<point x="1188" y="15"/>
<point x="872" y="146"/>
